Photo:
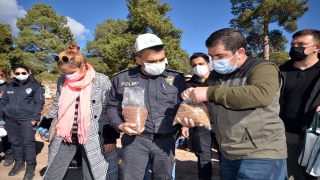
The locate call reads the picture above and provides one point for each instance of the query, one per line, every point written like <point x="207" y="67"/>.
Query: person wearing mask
<point x="21" y="105"/>
<point x="243" y="94"/>
<point x="156" y="142"/>
<point x="79" y="107"/>
<point x="300" y="97"/>
<point x="202" y="138"/>
<point x="6" y="145"/>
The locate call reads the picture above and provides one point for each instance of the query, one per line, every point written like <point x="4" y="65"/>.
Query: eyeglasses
<point x="18" y="73"/>
<point x="64" y="59"/>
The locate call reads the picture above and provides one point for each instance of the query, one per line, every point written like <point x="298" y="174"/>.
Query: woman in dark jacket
<point x="6" y="146"/>
<point x="21" y="105"/>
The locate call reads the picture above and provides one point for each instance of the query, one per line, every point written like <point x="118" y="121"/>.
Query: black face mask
<point x="297" y="53"/>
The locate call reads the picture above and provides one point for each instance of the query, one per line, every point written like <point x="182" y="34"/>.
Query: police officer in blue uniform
<point x="21" y="105"/>
<point x="163" y="88"/>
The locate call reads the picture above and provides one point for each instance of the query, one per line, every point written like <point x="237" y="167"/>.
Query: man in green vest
<point x="243" y="94"/>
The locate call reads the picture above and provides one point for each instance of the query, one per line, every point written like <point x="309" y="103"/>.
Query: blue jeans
<point x="253" y="169"/>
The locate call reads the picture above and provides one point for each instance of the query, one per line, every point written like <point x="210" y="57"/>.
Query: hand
<point x="129" y="129"/>
<point x="44" y="139"/>
<point x="185" y="122"/>
<point x="199" y="94"/>
<point x="186" y="93"/>
<point x="34" y="123"/>
<point x="109" y="147"/>
<point x="318" y="110"/>
<point x="184" y="132"/>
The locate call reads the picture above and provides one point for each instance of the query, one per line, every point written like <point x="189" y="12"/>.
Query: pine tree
<point x="254" y="17"/>
<point x="114" y="40"/>
<point x="43" y="34"/>
<point x="6" y="47"/>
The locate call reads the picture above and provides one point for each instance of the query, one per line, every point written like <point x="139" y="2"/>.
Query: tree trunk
<point x="266" y="47"/>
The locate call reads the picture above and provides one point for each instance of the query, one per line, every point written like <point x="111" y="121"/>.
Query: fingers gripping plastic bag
<point x="198" y="112"/>
<point x="133" y="107"/>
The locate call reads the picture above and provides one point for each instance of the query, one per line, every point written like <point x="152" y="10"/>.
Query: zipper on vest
<point x="248" y="135"/>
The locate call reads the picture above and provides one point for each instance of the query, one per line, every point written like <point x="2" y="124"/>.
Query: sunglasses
<point x="63" y="58"/>
<point x="18" y="73"/>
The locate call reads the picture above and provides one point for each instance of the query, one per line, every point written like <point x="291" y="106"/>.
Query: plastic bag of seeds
<point x="133" y="107"/>
<point x="198" y="112"/>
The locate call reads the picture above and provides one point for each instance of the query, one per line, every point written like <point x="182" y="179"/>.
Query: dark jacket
<point x="22" y="102"/>
<point x="194" y="81"/>
<point x="3" y="87"/>
<point x="313" y="101"/>
<point x="162" y="98"/>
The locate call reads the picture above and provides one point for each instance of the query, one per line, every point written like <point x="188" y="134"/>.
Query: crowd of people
<point x="258" y="112"/>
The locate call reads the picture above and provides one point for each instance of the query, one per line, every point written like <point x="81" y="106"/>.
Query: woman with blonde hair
<point x="79" y="106"/>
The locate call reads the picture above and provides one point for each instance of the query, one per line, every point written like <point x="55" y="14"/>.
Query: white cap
<point x="187" y="76"/>
<point x="147" y="40"/>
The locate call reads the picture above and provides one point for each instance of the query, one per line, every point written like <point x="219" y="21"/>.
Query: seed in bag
<point x="133" y="107"/>
<point x="198" y="112"/>
<point x="135" y="115"/>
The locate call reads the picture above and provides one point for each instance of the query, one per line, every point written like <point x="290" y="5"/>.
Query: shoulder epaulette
<point x="121" y="71"/>
<point x="174" y="71"/>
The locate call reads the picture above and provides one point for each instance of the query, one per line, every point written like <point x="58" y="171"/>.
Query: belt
<point x="157" y="136"/>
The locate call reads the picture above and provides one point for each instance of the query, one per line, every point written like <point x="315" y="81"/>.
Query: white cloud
<point x="78" y="30"/>
<point x="9" y="13"/>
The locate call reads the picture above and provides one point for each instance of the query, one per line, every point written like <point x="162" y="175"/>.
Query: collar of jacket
<point x="195" y="78"/>
<point x="289" y="64"/>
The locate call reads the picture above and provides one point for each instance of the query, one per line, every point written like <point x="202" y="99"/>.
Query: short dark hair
<point x="313" y="32"/>
<point x="21" y="66"/>
<point x="232" y="39"/>
<point x="199" y="54"/>
<point x="155" y="48"/>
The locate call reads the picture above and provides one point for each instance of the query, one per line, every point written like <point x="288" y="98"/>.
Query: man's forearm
<point x="263" y="83"/>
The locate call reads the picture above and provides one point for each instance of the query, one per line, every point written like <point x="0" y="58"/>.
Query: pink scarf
<point x="67" y="106"/>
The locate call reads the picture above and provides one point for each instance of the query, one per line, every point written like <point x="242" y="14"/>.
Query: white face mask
<point x="154" y="68"/>
<point x="2" y="81"/>
<point x="200" y="70"/>
<point x="21" y="77"/>
<point x="72" y="76"/>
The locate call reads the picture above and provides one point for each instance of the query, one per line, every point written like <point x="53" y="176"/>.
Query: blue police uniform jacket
<point x="22" y="102"/>
<point x="162" y="98"/>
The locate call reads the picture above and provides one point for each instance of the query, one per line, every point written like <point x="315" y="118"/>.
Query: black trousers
<point x="6" y="145"/>
<point x="137" y="151"/>
<point x="202" y="143"/>
<point x="21" y="136"/>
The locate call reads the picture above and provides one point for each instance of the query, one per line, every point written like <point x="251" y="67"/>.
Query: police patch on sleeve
<point x="28" y="90"/>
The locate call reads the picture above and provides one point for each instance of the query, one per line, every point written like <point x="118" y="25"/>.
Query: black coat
<point x="22" y="101"/>
<point x="312" y="103"/>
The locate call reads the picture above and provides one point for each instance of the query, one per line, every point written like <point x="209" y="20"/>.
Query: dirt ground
<point x="186" y="167"/>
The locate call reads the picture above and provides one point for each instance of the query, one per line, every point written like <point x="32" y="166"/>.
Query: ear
<point x="241" y="52"/>
<point x="138" y="59"/>
<point x="318" y="47"/>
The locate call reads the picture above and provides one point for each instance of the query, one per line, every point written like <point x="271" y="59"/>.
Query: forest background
<point x="34" y="36"/>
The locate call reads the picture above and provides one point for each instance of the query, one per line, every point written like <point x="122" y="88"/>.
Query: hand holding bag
<point x="309" y="157"/>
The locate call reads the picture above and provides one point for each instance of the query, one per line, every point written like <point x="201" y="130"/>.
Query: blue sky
<point x="198" y="19"/>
